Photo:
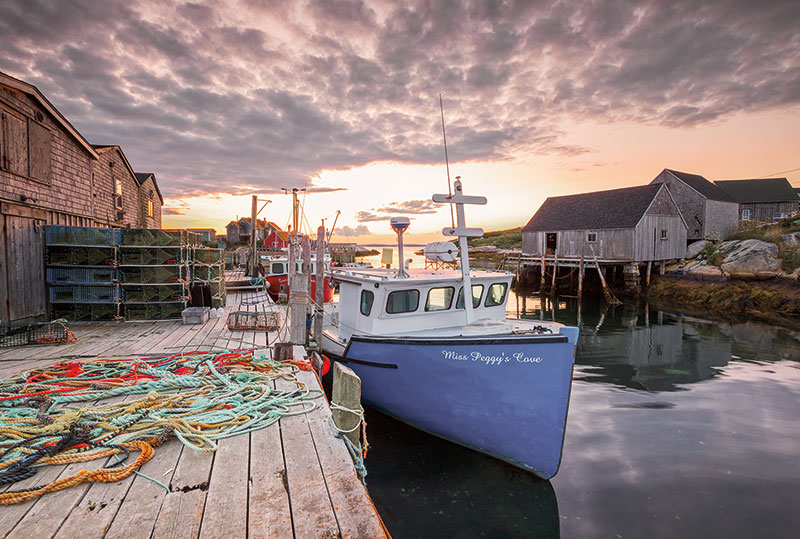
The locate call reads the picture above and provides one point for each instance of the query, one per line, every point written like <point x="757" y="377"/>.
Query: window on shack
<point x="477" y="292"/>
<point x="591" y="237"/>
<point x="367" y="299"/>
<point x="439" y="299"/>
<point x="663" y="234"/>
<point x="402" y="301"/>
<point x="745" y="215"/>
<point x="496" y="294"/>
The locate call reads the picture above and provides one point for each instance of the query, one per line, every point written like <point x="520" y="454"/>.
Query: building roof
<point x="142" y="177"/>
<point x="202" y="230"/>
<point x="764" y="190"/>
<point x="34" y="92"/>
<point x="701" y="185"/>
<point x="615" y="208"/>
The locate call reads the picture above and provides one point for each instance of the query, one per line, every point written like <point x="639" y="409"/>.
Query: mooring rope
<point x="48" y="415"/>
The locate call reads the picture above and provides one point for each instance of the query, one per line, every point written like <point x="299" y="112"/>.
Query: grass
<point x="502" y="239"/>
<point x="790" y="256"/>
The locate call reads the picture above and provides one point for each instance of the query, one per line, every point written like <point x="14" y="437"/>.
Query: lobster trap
<point x="24" y="333"/>
<point x="239" y="320"/>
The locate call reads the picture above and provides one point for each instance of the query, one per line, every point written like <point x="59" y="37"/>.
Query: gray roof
<point x="701" y="185"/>
<point x="616" y="208"/>
<point x="764" y="190"/>
<point x="141" y="177"/>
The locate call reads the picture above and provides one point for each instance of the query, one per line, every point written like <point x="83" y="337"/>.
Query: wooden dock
<point x="293" y="479"/>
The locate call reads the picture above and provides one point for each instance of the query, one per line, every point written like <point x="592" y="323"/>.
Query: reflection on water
<point x="678" y="427"/>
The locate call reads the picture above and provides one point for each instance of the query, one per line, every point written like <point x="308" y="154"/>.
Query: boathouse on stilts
<point x="619" y="235"/>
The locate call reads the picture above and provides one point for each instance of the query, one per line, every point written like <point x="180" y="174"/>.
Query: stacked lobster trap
<point x="131" y="274"/>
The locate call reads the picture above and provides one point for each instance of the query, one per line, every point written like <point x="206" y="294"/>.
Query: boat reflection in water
<point x="424" y="486"/>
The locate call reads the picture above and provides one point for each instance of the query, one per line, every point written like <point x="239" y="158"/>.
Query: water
<point x="678" y="427"/>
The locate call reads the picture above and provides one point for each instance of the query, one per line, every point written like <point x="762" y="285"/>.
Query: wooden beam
<point x="319" y="295"/>
<point x="347" y="394"/>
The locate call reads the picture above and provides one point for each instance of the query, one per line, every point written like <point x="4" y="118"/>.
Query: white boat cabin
<point x="376" y="302"/>
<point x="280" y="265"/>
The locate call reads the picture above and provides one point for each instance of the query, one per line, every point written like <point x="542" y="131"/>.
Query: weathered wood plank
<point x="225" y="514"/>
<point x="182" y="511"/>
<point x="312" y="512"/>
<point x="137" y="515"/>
<point x="269" y="511"/>
<point x="355" y="513"/>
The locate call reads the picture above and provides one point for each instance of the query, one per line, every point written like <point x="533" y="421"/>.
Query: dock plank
<point x="136" y="517"/>
<point x="182" y="510"/>
<point x="355" y="512"/>
<point x="225" y="513"/>
<point x="312" y="511"/>
<point x="269" y="510"/>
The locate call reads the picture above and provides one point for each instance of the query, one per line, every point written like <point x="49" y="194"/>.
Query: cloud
<point x="261" y="95"/>
<point x="368" y="217"/>
<point x="416" y="207"/>
<point x="360" y="230"/>
<point x="166" y="210"/>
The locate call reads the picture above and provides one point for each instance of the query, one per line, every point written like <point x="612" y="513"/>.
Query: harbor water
<point x="678" y="426"/>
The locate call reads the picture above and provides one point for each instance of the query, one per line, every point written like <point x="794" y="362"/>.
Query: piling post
<point x="580" y="280"/>
<point x="610" y="299"/>
<point x="661" y="267"/>
<point x="307" y="262"/>
<point x="298" y="301"/>
<point x="647" y="279"/>
<point x="319" y="293"/>
<point x="346" y="402"/>
<point x="253" y="238"/>
<point x="555" y="272"/>
<point x="541" y="278"/>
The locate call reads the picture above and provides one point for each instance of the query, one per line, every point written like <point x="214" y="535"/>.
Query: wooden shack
<point x="709" y="212"/>
<point x="766" y="200"/>
<point x="629" y="225"/>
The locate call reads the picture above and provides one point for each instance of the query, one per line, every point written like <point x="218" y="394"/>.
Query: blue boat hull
<point x="503" y="396"/>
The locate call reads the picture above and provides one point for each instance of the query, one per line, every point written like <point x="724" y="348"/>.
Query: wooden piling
<point x="555" y="273"/>
<point x="580" y="280"/>
<point x="661" y="267"/>
<point x="319" y="293"/>
<point x="647" y="278"/>
<point x="346" y="396"/>
<point x="541" y="278"/>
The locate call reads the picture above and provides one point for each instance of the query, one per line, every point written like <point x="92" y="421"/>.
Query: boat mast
<point x="459" y="199"/>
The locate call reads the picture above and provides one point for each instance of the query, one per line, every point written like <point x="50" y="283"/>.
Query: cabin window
<point x="402" y="301"/>
<point x="439" y="299"/>
<point x="367" y="298"/>
<point x="663" y="234"/>
<point x="477" y="292"/>
<point x="591" y="237"/>
<point x="745" y="215"/>
<point x="496" y="294"/>
<point x="149" y="208"/>
<point x="277" y="267"/>
<point x="778" y="216"/>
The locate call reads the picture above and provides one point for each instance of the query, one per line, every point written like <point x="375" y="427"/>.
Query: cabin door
<point x="550" y="243"/>
<point x="22" y="290"/>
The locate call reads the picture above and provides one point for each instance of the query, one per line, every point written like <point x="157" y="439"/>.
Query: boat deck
<point x="292" y="479"/>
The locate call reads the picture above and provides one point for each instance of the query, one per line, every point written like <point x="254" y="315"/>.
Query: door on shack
<point x="22" y="283"/>
<point x="550" y="243"/>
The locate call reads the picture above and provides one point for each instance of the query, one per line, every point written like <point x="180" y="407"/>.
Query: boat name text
<point x="518" y="357"/>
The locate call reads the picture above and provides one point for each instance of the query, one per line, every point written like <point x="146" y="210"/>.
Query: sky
<point x="228" y="99"/>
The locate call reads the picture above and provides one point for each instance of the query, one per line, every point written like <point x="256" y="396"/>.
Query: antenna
<point x="447" y="162"/>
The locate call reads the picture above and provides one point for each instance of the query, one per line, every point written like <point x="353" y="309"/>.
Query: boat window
<point x="477" y="292"/>
<point x="439" y="299"/>
<point x="367" y="297"/>
<point x="402" y="301"/>
<point x="496" y="294"/>
<point x="277" y="267"/>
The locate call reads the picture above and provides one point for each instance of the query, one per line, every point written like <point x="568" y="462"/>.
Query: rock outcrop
<point x="750" y="260"/>
<point x="695" y="248"/>
<point x="791" y="240"/>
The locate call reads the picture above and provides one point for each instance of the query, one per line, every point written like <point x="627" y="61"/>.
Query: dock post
<point x="555" y="272"/>
<point x="661" y="267"/>
<point x="580" y="280"/>
<point x="319" y="293"/>
<point x="541" y="279"/>
<point x="647" y="279"/>
<point x="346" y="402"/>
<point x="253" y="233"/>
<point x="298" y="302"/>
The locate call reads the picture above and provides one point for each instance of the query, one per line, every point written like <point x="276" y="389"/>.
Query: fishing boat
<point x="276" y="268"/>
<point x="460" y="370"/>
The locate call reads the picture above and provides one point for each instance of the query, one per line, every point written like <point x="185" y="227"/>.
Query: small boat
<point x="459" y="370"/>
<point x="277" y="276"/>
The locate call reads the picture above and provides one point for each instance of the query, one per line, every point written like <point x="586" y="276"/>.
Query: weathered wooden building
<point x="122" y="197"/>
<point x="629" y="225"/>
<point x="708" y="211"/>
<point x="239" y="231"/>
<point x="206" y="234"/>
<point x="45" y="178"/>
<point x="50" y="175"/>
<point x="766" y="200"/>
